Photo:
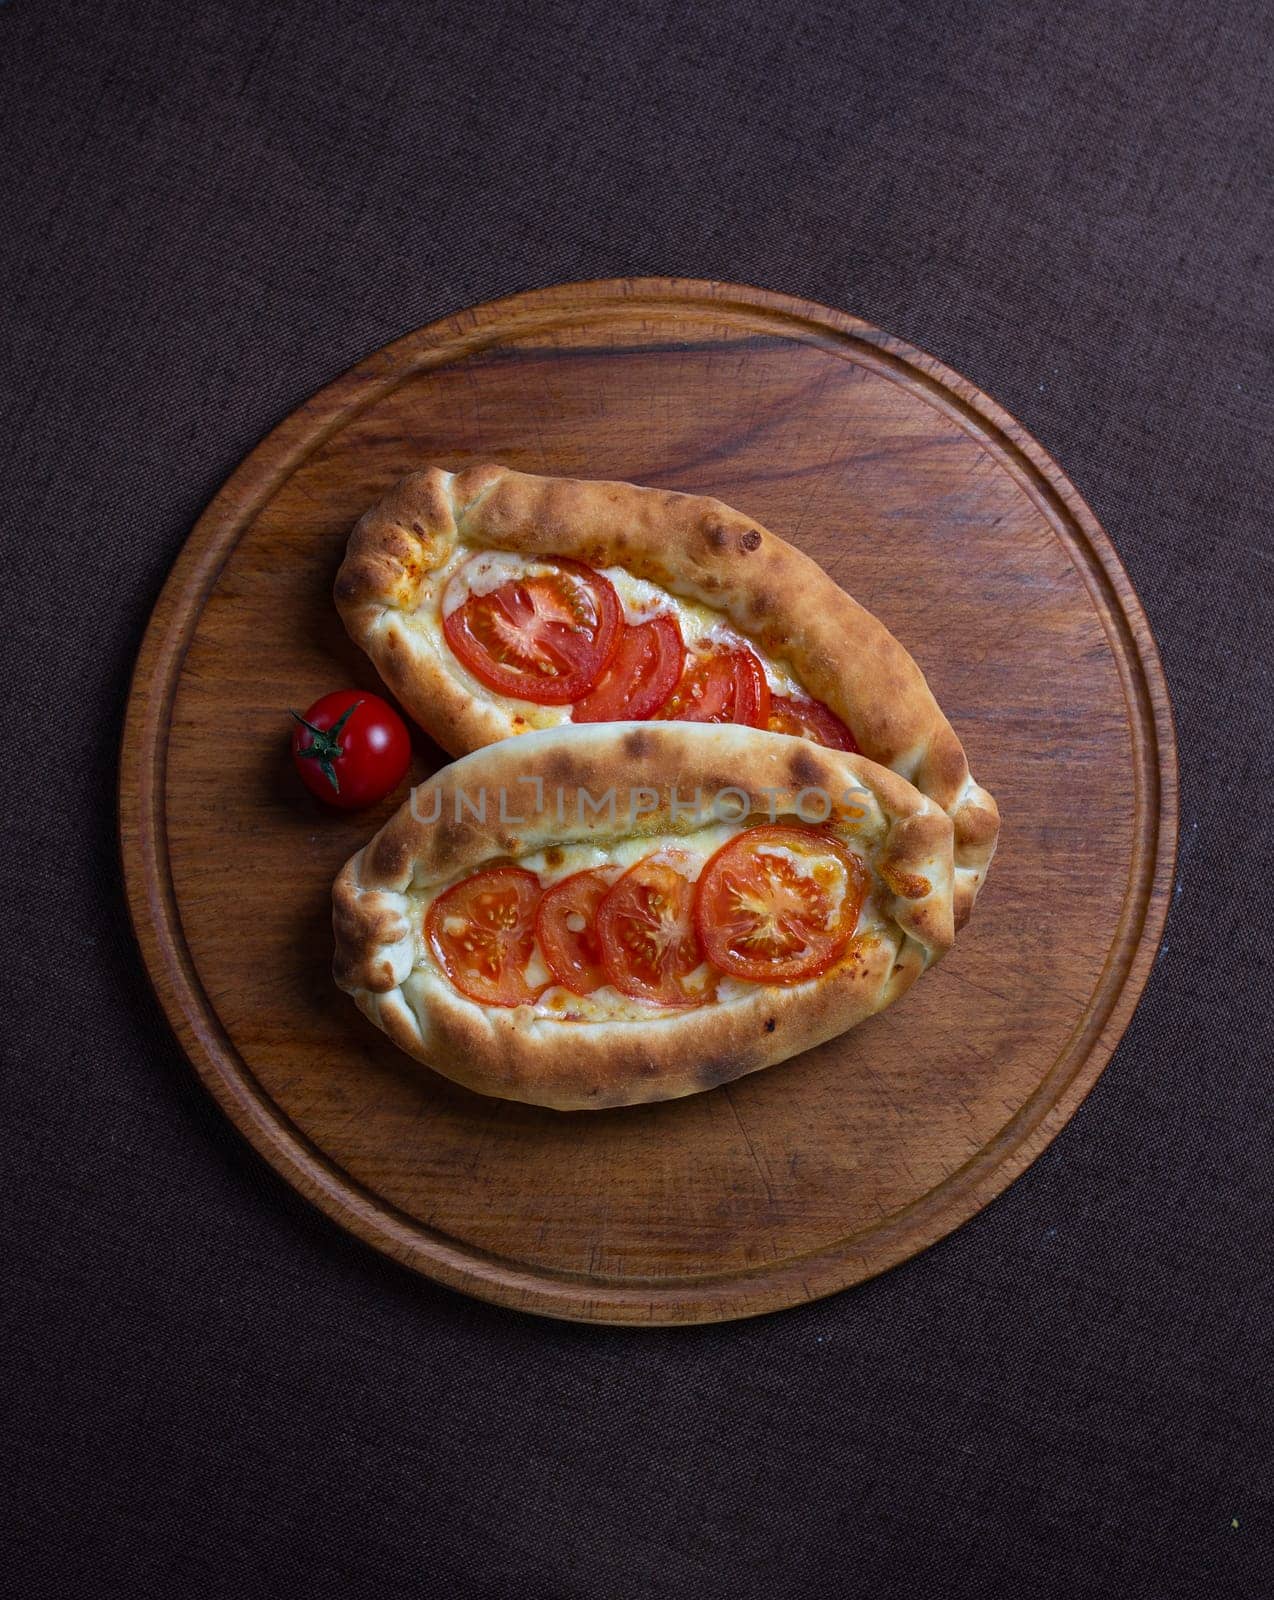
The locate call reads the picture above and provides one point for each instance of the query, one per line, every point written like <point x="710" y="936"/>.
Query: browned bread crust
<point x="521" y="1054"/>
<point x="694" y="547"/>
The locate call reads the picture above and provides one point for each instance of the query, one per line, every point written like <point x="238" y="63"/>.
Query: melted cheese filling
<point x="691" y="853"/>
<point x="469" y="572"/>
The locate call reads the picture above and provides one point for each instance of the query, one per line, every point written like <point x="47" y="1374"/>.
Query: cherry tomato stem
<point x="350" y="749"/>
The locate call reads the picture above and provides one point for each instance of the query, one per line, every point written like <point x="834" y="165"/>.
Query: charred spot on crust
<point x="750" y="540"/>
<point x="562" y="767"/>
<point x="807" y="771"/>
<point x="769" y="1024"/>
<point x="390" y="857"/>
<point x="762" y="603"/>
<point x="638" y="743"/>
<point x="716" y="535"/>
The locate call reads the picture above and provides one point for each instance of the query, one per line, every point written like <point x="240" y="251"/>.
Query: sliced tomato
<point x="566" y="927"/>
<point x="810" y="719"/>
<point x="642" y="673"/>
<point x="727" y="685"/>
<point x="544" y="636"/>
<point x="646" y="926"/>
<point x="482" y="933"/>
<point x="779" y="903"/>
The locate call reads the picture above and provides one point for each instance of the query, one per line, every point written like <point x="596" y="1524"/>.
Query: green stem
<point x="326" y="746"/>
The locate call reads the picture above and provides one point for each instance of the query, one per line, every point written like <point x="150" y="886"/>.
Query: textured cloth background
<point x="206" y="212"/>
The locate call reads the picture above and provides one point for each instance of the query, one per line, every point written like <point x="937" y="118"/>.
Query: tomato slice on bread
<point x="566" y="927"/>
<point x="482" y="932"/>
<point x="544" y="636"/>
<point x="647" y="932"/>
<point x="810" y="719"/>
<point x="725" y="685"/>
<point x="641" y="675"/>
<point x="779" y="903"/>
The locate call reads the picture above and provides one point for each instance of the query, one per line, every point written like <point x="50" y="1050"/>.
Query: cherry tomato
<point x="721" y="686"/>
<point x="482" y="933"/>
<point x="779" y="903"/>
<point x="350" y="748"/>
<point x="646" y="927"/>
<point x="810" y="719"/>
<point x="544" y="636"/>
<point x="566" y="927"/>
<point x="642" y="673"/>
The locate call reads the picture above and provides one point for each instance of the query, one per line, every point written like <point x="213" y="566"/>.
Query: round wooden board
<point x="925" y="501"/>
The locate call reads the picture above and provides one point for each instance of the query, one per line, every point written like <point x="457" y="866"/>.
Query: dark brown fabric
<point x="206" y="211"/>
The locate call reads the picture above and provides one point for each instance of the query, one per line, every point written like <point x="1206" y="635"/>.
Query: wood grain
<point x="923" y="499"/>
